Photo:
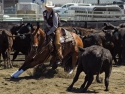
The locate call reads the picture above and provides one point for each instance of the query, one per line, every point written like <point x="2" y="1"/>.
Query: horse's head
<point x="37" y="36"/>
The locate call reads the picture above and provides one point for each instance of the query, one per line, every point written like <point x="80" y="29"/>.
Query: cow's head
<point x="108" y="26"/>
<point x="111" y="36"/>
<point x="122" y="25"/>
<point x="15" y="29"/>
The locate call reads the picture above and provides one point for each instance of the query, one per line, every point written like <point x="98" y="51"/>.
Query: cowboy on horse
<point x="52" y="23"/>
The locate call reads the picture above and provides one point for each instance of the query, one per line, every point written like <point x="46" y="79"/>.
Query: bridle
<point x="44" y="45"/>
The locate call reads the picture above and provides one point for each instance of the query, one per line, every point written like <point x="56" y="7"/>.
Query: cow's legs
<point x="79" y="70"/>
<point x="4" y="58"/>
<point x="90" y="79"/>
<point x="86" y="79"/>
<point x="114" y="58"/>
<point x="120" y="57"/>
<point x="10" y="65"/>
<point x="15" y="55"/>
<point x="107" y="75"/>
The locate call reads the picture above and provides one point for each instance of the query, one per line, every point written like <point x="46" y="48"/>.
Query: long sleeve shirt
<point x="55" y="22"/>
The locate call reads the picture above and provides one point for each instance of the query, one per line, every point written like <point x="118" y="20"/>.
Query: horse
<point x="42" y="48"/>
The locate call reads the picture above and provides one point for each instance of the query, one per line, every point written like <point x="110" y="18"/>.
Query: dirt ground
<point x="56" y="82"/>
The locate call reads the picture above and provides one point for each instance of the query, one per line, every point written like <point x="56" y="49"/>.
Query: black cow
<point x="93" y="61"/>
<point x="6" y="43"/>
<point x="109" y="26"/>
<point x="95" y="38"/>
<point x="122" y="25"/>
<point x="116" y="36"/>
<point x="22" y="41"/>
<point x="14" y="30"/>
<point x="113" y="44"/>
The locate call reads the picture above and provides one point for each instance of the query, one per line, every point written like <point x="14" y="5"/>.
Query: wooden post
<point x="85" y="26"/>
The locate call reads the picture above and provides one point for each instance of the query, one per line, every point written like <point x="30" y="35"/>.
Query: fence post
<point x="85" y="26"/>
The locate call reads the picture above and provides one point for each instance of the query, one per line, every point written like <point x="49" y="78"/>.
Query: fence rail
<point x="74" y="17"/>
<point x="65" y="21"/>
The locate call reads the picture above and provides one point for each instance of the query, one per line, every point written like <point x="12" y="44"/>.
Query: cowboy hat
<point x="49" y="4"/>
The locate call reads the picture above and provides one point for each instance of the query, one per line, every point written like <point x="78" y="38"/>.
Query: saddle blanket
<point x="67" y="37"/>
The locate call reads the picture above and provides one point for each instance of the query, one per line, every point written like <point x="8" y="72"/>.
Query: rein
<point x="43" y="49"/>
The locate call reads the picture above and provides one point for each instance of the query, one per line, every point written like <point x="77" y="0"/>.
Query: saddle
<point x="66" y="36"/>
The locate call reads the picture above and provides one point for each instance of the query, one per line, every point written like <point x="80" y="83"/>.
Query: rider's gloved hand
<point x="48" y="33"/>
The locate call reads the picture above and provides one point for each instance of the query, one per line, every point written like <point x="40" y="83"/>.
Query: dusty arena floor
<point x="56" y="83"/>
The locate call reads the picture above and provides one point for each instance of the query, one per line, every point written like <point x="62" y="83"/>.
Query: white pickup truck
<point x="65" y="7"/>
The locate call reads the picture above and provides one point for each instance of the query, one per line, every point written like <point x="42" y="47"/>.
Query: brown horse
<point x="42" y="48"/>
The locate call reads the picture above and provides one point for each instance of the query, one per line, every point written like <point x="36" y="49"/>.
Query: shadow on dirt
<point x="20" y="78"/>
<point x="78" y="90"/>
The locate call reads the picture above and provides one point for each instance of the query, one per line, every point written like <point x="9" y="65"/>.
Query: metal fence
<point x="67" y="17"/>
<point x="84" y="24"/>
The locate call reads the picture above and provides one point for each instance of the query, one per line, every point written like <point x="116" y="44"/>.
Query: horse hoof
<point x="12" y="77"/>
<point x="71" y="71"/>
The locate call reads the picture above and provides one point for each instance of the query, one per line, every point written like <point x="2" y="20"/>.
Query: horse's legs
<point x="24" y="67"/>
<point x="53" y="62"/>
<point x="58" y="45"/>
<point x="74" y="61"/>
<point x="79" y="70"/>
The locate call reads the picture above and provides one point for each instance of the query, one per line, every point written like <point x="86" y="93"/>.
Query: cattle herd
<point x="102" y="48"/>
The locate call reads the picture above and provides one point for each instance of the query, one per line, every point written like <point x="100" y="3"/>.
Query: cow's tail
<point x="98" y="79"/>
<point x="81" y="49"/>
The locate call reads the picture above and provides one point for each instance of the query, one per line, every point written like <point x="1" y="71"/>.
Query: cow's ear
<point x="105" y="24"/>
